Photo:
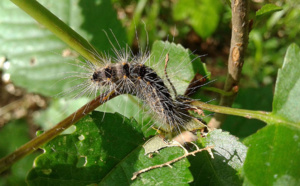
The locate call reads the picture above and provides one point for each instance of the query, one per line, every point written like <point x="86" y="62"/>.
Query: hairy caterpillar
<point x="130" y="75"/>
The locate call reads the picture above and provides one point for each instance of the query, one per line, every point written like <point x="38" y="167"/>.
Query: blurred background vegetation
<point x="203" y="26"/>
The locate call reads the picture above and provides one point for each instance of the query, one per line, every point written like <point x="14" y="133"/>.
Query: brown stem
<point x="45" y="137"/>
<point x="239" y="42"/>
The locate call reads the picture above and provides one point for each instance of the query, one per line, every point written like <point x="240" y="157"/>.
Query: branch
<point x="47" y="136"/>
<point x="172" y="161"/>
<point x="238" y="46"/>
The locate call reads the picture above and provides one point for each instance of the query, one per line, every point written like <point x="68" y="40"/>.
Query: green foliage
<point x="106" y="149"/>
<point x="267" y="9"/>
<point x="29" y="51"/>
<point x="180" y="67"/>
<point x="251" y="99"/>
<point x="272" y="158"/>
<point x="224" y="169"/>
<point x="35" y="54"/>
<point x="13" y="135"/>
<point x="288" y="86"/>
<point x="268" y="41"/>
<point x="202" y="15"/>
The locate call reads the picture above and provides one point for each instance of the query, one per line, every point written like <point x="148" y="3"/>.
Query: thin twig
<point x="238" y="46"/>
<point x="172" y="161"/>
<point x="45" y="137"/>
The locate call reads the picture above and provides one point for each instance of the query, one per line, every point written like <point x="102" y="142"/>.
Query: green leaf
<point x="273" y="155"/>
<point x="182" y="65"/>
<point x="267" y="9"/>
<point x="203" y="15"/>
<point x="287" y="89"/>
<point x="229" y="157"/>
<point x="35" y="54"/>
<point x="13" y="135"/>
<point x="131" y="107"/>
<point x="105" y="149"/>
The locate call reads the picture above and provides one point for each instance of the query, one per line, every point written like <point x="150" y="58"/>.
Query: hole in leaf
<point x="81" y="137"/>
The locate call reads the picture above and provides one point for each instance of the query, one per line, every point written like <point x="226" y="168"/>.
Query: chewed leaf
<point x="229" y="156"/>
<point x="105" y="149"/>
<point x="153" y="145"/>
<point x="228" y="147"/>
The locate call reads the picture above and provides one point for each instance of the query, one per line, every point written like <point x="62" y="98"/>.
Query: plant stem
<point x="238" y="46"/>
<point x="261" y="115"/>
<point x="264" y="116"/>
<point x="58" y="28"/>
<point x="45" y="137"/>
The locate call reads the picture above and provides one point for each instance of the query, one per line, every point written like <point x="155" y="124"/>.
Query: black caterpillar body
<point x="142" y="81"/>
